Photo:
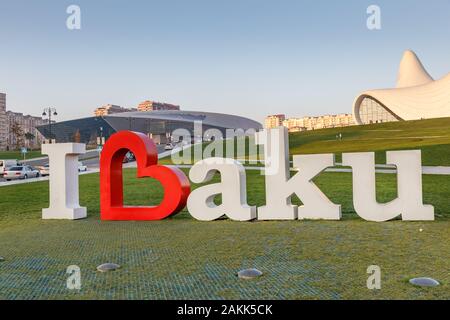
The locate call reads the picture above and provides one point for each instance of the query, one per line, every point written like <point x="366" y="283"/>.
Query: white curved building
<point x="417" y="96"/>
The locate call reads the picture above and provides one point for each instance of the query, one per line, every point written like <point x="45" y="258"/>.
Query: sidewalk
<point x="426" y="170"/>
<point x="88" y="155"/>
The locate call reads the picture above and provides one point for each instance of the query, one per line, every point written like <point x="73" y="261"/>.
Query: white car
<point x="20" y="172"/>
<point x="4" y="164"/>
<point x="82" y="167"/>
<point x="168" y="146"/>
<point x="44" y="170"/>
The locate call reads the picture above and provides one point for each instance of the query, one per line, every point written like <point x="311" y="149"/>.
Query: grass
<point x="19" y="156"/>
<point x="430" y="136"/>
<point x="31" y="154"/>
<point x="181" y="258"/>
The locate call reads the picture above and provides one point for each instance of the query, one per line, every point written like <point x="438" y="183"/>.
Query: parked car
<point x="20" y="172"/>
<point x="4" y="164"/>
<point x="129" y="157"/>
<point x="44" y="170"/>
<point x="168" y="146"/>
<point x="81" y="167"/>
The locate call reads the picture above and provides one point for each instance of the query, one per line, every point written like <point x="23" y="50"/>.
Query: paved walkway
<point x="380" y="168"/>
<point x="43" y="160"/>
<point x="90" y="171"/>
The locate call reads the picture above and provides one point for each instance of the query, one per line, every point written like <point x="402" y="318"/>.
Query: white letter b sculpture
<point x="63" y="162"/>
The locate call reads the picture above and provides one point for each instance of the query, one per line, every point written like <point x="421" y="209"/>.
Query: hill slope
<point x="430" y="136"/>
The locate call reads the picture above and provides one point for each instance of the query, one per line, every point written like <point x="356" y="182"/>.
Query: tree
<point x="17" y="132"/>
<point x="30" y="137"/>
<point x="77" y="136"/>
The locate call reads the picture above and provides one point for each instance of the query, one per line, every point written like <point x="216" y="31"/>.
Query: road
<point x="89" y="159"/>
<point x="88" y="156"/>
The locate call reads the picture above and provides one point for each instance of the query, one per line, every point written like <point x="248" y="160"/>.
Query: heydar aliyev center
<point x="417" y="96"/>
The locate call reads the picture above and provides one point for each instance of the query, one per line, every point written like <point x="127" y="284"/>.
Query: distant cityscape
<point x="18" y="130"/>
<point x="408" y="101"/>
<point x="309" y="123"/>
<point x="144" y="106"/>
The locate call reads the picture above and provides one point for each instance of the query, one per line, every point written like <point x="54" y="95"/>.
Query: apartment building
<point x="273" y="121"/>
<point x="21" y="130"/>
<point x="149" y="105"/>
<point x="309" y="123"/>
<point x="3" y="130"/>
<point x="320" y="122"/>
<point x="110" y="109"/>
<point x="17" y="129"/>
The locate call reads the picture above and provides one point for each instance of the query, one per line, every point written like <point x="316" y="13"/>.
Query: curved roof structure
<point x="412" y="72"/>
<point x="158" y="123"/>
<point x="417" y="96"/>
<point x="207" y="118"/>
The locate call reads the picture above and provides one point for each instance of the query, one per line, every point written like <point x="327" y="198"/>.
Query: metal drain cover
<point x="108" y="267"/>
<point x="424" y="282"/>
<point x="249" y="274"/>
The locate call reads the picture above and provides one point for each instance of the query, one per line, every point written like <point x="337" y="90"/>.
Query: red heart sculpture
<point x="174" y="181"/>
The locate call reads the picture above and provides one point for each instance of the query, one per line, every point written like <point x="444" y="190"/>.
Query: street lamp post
<point x="100" y="145"/>
<point x="48" y="113"/>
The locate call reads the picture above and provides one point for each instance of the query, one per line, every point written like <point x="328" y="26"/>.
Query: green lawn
<point x="19" y="156"/>
<point x="181" y="258"/>
<point x="430" y="136"/>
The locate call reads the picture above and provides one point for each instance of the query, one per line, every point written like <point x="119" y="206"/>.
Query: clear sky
<point x="245" y="57"/>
